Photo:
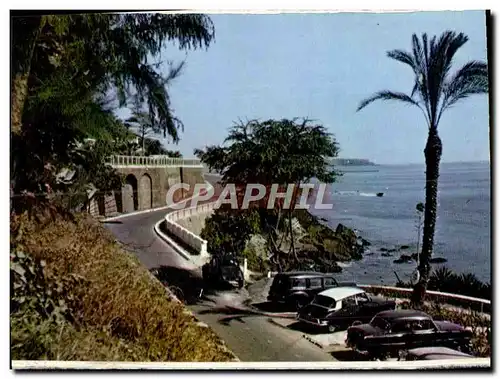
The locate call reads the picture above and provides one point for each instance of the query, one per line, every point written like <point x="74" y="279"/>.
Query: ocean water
<point x="463" y="234"/>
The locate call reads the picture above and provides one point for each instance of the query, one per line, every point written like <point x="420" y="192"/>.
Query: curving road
<point x="252" y="338"/>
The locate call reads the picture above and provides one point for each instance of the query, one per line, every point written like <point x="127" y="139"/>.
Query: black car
<point x="390" y="332"/>
<point x="223" y="269"/>
<point x="340" y="307"/>
<point x="298" y="288"/>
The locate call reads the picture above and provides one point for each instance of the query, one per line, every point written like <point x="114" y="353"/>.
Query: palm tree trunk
<point x="432" y="151"/>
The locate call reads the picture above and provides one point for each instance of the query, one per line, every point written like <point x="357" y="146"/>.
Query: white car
<point x="340" y="307"/>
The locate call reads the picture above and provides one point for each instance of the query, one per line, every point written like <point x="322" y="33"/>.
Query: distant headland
<point x="351" y="162"/>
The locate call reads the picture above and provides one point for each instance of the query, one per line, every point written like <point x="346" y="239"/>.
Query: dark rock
<point x="340" y="229"/>
<point x="365" y="242"/>
<point x="383" y="249"/>
<point x="323" y="219"/>
<point x="369" y="254"/>
<point x="404" y="259"/>
<point x="404" y="247"/>
<point x="387" y="254"/>
<point x="392" y="250"/>
<point x="438" y="260"/>
<point x="380" y="194"/>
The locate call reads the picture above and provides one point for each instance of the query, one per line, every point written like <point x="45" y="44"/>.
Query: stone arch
<point x="146" y="192"/>
<point x="129" y="194"/>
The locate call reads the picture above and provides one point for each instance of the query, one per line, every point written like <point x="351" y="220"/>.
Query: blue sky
<point x="321" y="66"/>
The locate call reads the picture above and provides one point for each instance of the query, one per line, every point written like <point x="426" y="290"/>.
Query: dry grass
<point x="122" y="313"/>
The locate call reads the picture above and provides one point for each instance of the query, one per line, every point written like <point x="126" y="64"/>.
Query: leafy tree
<point x="66" y="67"/>
<point x="227" y="232"/>
<point x="144" y="126"/>
<point x="274" y="151"/>
<point x="435" y="90"/>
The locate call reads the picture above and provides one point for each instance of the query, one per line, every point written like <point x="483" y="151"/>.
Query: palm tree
<point x="435" y="90"/>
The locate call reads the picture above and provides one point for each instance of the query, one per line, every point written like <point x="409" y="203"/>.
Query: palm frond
<point x="388" y="95"/>
<point x="470" y="79"/>
<point x="403" y="57"/>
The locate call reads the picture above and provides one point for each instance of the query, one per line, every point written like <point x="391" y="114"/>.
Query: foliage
<point x="70" y="71"/>
<point x="116" y="312"/>
<point x="435" y="90"/>
<point x="274" y="151"/>
<point x="445" y="280"/>
<point x="271" y="152"/>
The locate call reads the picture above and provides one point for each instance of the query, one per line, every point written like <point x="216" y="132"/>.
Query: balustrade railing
<point x="130" y="160"/>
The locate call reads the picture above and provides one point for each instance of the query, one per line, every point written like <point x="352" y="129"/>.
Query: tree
<point x="144" y="126"/>
<point x="65" y="68"/>
<point x="434" y="91"/>
<point x="274" y="151"/>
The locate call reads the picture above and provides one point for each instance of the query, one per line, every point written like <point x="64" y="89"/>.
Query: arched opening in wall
<point x="130" y="201"/>
<point x="146" y="192"/>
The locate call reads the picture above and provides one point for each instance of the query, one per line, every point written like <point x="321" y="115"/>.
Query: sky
<point x="321" y="66"/>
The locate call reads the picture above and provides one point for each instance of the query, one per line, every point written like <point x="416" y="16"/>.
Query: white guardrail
<point x="152" y="161"/>
<point x="482" y="303"/>
<point x="189" y="238"/>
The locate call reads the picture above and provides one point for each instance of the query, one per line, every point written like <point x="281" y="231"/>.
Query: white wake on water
<point x="355" y="193"/>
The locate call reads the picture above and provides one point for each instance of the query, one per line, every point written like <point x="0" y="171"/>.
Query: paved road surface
<point x="252" y="338"/>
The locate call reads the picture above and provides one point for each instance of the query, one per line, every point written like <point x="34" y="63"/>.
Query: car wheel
<point x="332" y="328"/>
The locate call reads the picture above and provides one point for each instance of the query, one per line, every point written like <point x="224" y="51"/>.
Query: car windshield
<point x="379" y="322"/>
<point x="324" y="301"/>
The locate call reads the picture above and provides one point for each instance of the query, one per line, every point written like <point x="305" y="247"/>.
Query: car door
<point x="347" y="314"/>
<point x="366" y="308"/>
<point x="314" y="286"/>
<point x="424" y="334"/>
<point x="329" y="282"/>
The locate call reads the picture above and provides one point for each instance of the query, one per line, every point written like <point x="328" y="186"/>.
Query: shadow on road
<point x="267" y="306"/>
<point x="348" y="355"/>
<point x="187" y="285"/>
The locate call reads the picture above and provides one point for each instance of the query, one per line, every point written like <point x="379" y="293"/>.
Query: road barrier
<point x="482" y="305"/>
<point x="198" y="244"/>
<point x="152" y="161"/>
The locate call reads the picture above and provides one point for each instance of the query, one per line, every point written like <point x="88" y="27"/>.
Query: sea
<point x="463" y="229"/>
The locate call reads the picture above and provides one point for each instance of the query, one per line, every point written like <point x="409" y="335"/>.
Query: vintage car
<point x="340" y="307"/>
<point x="298" y="288"/>
<point x="223" y="269"/>
<point x="432" y="353"/>
<point x="389" y="332"/>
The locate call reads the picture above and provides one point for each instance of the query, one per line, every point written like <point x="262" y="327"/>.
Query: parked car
<point x="298" y="288"/>
<point x="389" y="332"/>
<point x="432" y="353"/>
<point x="340" y="307"/>
<point x="223" y="269"/>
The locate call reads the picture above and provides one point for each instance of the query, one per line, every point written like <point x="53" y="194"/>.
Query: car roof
<point x="437" y="352"/>
<point x="403" y="314"/>
<point x="339" y="293"/>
